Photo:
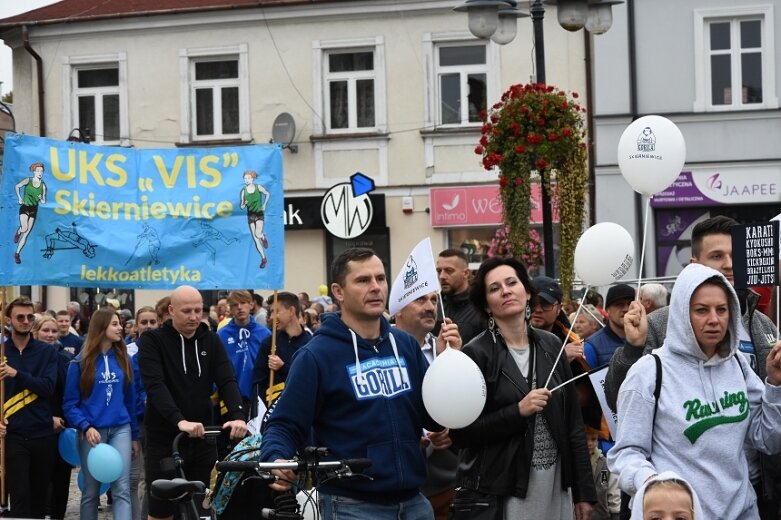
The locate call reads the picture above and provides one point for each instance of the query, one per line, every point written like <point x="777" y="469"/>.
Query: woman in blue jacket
<point x="100" y="403"/>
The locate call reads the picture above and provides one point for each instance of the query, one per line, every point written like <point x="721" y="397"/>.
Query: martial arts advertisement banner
<point x="73" y="214"/>
<point x="755" y="254"/>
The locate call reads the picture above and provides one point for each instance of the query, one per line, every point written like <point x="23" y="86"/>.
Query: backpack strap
<point x="658" y="387"/>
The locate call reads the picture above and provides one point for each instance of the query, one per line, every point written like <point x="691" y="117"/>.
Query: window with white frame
<point x="461" y="71"/>
<point x="214" y="89"/>
<point x="96" y="101"/>
<point x="215" y="85"/>
<point x="735" y="63"/>
<point x="350" y="89"/>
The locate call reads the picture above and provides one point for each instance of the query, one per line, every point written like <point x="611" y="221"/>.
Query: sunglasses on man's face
<point x="545" y="306"/>
<point x="25" y="317"/>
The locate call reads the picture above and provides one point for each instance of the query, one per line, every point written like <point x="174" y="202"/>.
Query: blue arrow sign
<point x="361" y="184"/>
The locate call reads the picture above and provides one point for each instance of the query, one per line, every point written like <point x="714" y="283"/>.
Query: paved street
<point x="72" y="512"/>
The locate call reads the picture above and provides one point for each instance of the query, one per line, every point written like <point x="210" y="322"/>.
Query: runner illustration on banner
<point x="30" y="192"/>
<point x="152" y="239"/>
<point x="254" y="197"/>
<point x="209" y="234"/>
<point x="64" y="239"/>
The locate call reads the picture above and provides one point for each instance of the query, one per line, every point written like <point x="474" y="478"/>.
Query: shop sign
<point x="709" y="188"/>
<point x="476" y="206"/>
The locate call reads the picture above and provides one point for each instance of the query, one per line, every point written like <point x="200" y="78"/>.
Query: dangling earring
<point x="528" y="311"/>
<point x="491" y="323"/>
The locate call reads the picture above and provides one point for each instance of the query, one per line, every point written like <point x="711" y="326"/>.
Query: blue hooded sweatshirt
<point x="112" y="402"/>
<point x="242" y="345"/>
<point x="358" y="399"/>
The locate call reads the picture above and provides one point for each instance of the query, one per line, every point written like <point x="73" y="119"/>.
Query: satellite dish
<point x="284" y="131"/>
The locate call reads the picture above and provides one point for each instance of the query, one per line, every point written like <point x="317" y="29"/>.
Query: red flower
<point x="553" y="136"/>
<point x="518" y="181"/>
<point x="482" y="115"/>
<point x="502" y="181"/>
<point x="564" y="105"/>
<point x="541" y="164"/>
<point x="479" y="150"/>
<point x="541" y="122"/>
<point x="524" y="108"/>
<point x="566" y="132"/>
<point x="483" y="141"/>
<point x="575" y="95"/>
<point x="520" y="149"/>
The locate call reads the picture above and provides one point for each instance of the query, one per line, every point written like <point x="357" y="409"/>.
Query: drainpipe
<point x="39" y="74"/>
<point x="41" y="116"/>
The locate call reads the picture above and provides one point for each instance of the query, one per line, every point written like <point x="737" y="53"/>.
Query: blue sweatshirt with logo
<point x="111" y="403"/>
<point x="242" y="345"/>
<point x="359" y="399"/>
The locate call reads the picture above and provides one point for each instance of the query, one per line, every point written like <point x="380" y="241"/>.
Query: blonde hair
<point x="670" y="484"/>
<point x="39" y="321"/>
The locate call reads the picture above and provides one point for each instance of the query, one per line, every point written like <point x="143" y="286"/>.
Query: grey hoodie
<point x="706" y="410"/>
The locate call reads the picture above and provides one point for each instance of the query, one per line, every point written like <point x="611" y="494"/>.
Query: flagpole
<point x="3" y="495"/>
<point x="274" y="317"/>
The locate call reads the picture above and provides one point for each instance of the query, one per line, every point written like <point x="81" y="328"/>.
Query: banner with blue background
<point x="73" y="214"/>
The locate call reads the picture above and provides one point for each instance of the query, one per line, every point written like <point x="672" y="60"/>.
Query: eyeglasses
<point x="147" y="322"/>
<point x="25" y="317"/>
<point x="545" y="306"/>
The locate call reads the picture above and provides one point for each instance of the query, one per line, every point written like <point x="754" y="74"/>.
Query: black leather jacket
<point x="496" y="449"/>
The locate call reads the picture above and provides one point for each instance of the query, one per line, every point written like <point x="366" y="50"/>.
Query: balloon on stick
<point x="104" y="463"/>
<point x="651" y="154"/>
<point x="454" y="389"/>
<point x="604" y="254"/>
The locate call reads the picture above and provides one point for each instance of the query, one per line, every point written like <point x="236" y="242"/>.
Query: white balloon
<point x="651" y="154"/>
<point x="604" y="254"/>
<point x="454" y="389"/>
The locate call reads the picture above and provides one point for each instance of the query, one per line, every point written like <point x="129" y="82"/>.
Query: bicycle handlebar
<point x="355" y="465"/>
<point x="209" y="431"/>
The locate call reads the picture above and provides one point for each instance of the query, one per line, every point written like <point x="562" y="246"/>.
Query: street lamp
<point x="496" y="20"/>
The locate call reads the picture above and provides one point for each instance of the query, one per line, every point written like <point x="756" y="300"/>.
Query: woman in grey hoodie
<point x="710" y="402"/>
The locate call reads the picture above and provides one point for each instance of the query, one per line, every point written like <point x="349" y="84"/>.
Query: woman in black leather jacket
<point x="525" y="457"/>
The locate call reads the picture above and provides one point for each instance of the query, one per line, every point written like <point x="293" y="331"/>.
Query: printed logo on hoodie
<point x="705" y="413"/>
<point x="379" y="377"/>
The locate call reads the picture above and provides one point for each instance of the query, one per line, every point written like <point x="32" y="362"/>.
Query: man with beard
<point x="453" y="273"/>
<point x="30" y="375"/>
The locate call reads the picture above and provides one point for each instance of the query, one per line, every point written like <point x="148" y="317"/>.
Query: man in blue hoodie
<point x="355" y="388"/>
<point x="30" y="374"/>
<point x="242" y="337"/>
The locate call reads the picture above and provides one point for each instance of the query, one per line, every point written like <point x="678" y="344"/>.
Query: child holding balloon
<point x="100" y="403"/>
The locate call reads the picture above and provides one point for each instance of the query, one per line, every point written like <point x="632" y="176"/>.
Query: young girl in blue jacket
<point x="100" y="403"/>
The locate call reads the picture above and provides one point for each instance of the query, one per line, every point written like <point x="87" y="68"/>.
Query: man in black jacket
<point x="179" y="363"/>
<point x="453" y="273"/>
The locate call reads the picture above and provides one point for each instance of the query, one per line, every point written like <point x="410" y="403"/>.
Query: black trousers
<point x="29" y="466"/>
<point x="59" y="489"/>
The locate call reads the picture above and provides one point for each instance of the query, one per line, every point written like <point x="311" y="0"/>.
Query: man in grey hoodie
<point x="710" y="404"/>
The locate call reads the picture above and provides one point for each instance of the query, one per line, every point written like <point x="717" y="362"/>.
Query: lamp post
<point x="497" y="20"/>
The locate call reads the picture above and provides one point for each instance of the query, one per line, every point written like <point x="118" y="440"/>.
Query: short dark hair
<point x="22" y="301"/>
<point x="449" y="253"/>
<point x="62" y="313"/>
<point x="477" y="294"/>
<point x="258" y="299"/>
<point x="288" y="299"/>
<point x="161" y="307"/>
<point x="718" y="225"/>
<point x="353" y="254"/>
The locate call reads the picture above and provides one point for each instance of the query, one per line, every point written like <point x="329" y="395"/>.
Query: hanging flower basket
<point x="536" y="128"/>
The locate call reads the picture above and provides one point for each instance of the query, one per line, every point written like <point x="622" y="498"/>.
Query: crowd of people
<point x="698" y="418"/>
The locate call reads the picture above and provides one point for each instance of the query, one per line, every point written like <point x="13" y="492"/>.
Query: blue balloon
<point x="67" y="444"/>
<point x="104" y="463"/>
<point x="80" y="482"/>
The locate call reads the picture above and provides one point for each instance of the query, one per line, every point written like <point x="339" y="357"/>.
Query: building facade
<point x="390" y="89"/>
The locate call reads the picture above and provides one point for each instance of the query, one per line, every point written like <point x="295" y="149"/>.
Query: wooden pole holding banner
<point x="274" y="317"/>
<point x="3" y="494"/>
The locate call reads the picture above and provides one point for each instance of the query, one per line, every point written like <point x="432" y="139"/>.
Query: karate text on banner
<point x="73" y="214"/>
